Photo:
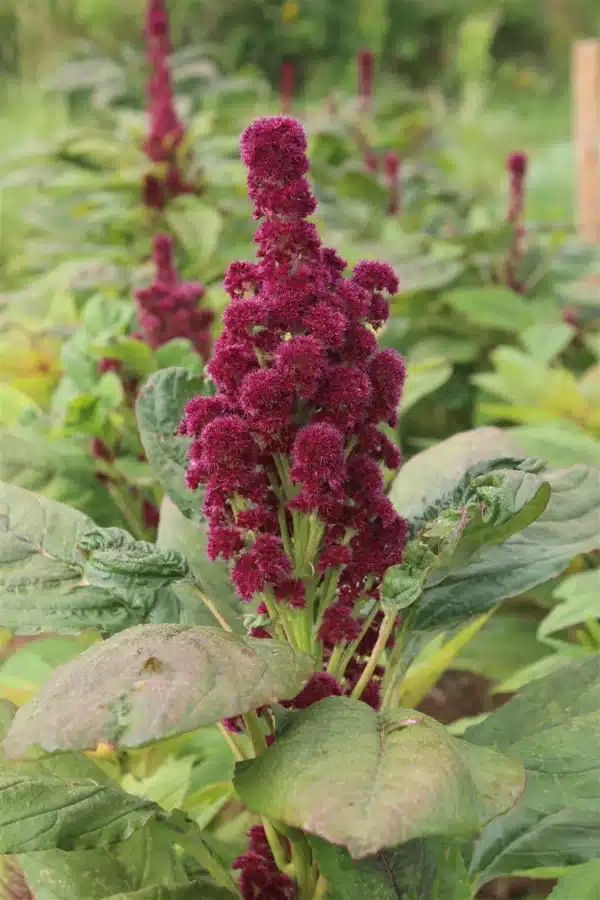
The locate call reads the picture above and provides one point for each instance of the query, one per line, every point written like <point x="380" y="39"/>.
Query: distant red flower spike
<point x="366" y="66"/>
<point x="287" y="83"/>
<point x="168" y="308"/>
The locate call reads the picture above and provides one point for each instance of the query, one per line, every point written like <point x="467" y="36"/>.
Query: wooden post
<point x="586" y="128"/>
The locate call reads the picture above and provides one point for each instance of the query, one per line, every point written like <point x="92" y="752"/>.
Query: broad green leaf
<point x="27" y="668"/>
<point x="65" y="803"/>
<point x="14" y="404"/>
<point x="117" y="562"/>
<point x="167" y="786"/>
<point x="545" y="342"/>
<point x="387" y="780"/>
<point x="423" y="378"/>
<point x="58" y="572"/>
<point x="505" y="644"/>
<point x="160" y="407"/>
<point x="430" y="477"/>
<point x="59" y="469"/>
<point x="211" y="578"/>
<point x="494" y="507"/>
<point x="561" y="442"/>
<point x="493" y="307"/>
<point x="134" y="353"/>
<point x="582" y="883"/>
<point x="581" y="601"/>
<point x="570" y="525"/>
<point x="198" y="226"/>
<point x="155" y="681"/>
<point x="417" y="870"/>
<point x="178" y="352"/>
<point x="553" y="727"/>
<point x="530" y="384"/>
<point x="41" y="569"/>
<point x="145" y="858"/>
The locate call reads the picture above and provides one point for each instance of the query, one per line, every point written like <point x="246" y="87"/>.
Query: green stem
<point x="321" y="888"/>
<point x="593" y="628"/>
<point x="233" y="743"/>
<point x="276" y="845"/>
<point x="212" y="608"/>
<point x="302" y="863"/>
<point x="255" y="733"/>
<point x="387" y="626"/>
<point x="188" y="836"/>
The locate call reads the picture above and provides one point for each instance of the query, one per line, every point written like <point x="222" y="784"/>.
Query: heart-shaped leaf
<point x="553" y="727"/>
<point x="155" y="681"/>
<point x="368" y="781"/>
<point x="417" y="870"/>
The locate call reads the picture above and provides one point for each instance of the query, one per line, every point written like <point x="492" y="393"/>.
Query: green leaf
<point x="417" y="870"/>
<point x="430" y="478"/>
<point x="491" y="308"/>
<point x="14" y="404"/>
<point x="581" y="596"/>
<point x="160" y="407"/>
<point x="424" y="377"/>
<point x="211" y="578"/>
<point x="179" y="352"/>
<point x="545" y="342"/>
<point x="41" y="569"/>
<point x="155" y="681"/>
<point x="58" y="572"/>
<point x="65" y="804"/>
<point x="29" y="666"/>
<point x="505" y="644"/>
<point x="59" y="469"/>
<point x="145" y="858"/>
<point x="583" y="883"/>
<point x="134" y="353"/>
<point x="403" y="584"/>
<point x="198" y="226"/>
<point x="387" y="780"/>
<point x="561" y="442"/>
<point x="495" y="506"/>
<point x="553" y="727"/>
<point x="570" y="525"/>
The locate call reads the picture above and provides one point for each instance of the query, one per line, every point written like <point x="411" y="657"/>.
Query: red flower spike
<point x="166" y="132"/>
<point x="168" y="308"/>
<point x="366" y="66"/>
<point x="302" y="390"/>
<point x="392" y="172"/>
<point x="517" y="164"/>
<point x="287" y="83"/>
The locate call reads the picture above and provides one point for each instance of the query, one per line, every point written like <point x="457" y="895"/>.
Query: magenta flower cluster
<point x="260" y="879"/>
<point x="168" y="308"/>
<point x="291" y="443"/>
<point x="166" y="133"/>
<point x="516" y="165"/>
